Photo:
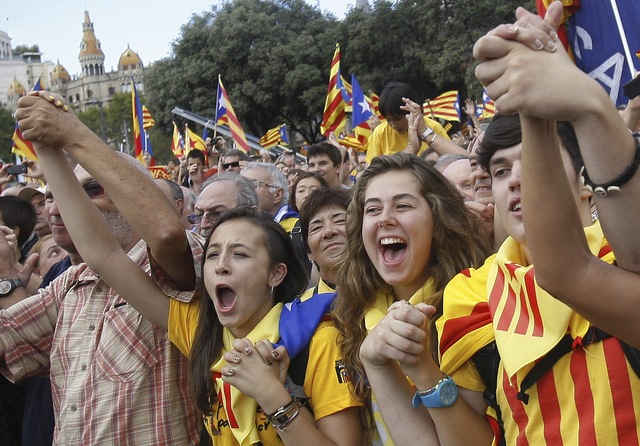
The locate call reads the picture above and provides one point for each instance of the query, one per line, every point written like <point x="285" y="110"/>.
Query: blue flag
<point x="361" y="110"/>
<point x="283" y="134"/>
<point x="604" y="38"/>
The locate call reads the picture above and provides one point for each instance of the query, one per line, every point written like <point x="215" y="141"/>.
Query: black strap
<point x="298" y="244"/>
<point x="487" y="361"/>
<point x="566" y="345"/>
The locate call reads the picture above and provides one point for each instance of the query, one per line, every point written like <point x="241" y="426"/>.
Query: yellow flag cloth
<point x="527" y="321"/>
<point x="240" y="409"/>
<point x="384" y="301"/>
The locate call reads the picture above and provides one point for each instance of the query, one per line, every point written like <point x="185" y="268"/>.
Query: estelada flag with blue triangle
<point x="488" y="106"/>
<point x="139" y="138"/>
<point x="446" y="106"/>
<point x="274" y="137"/>
<point x="361" y="112"/>
<point x="226" y="115"/>
<point x="19" y="145"/>
<point x="177" y="143"/>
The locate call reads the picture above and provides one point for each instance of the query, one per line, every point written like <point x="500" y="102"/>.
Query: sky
<point x="148" y="27"/>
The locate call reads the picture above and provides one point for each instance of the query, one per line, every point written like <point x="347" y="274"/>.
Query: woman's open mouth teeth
<point x="226" y="296"/>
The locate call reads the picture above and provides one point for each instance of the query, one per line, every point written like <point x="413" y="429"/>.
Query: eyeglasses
<point x="258" y="183"/>
<point x="211" y="217"/>
<point x="226" y="166"/>
<point x="93" y="189"/>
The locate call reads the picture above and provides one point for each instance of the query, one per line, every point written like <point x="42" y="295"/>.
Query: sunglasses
<point x="226" y="166"/>
<point x="93" y="189"/>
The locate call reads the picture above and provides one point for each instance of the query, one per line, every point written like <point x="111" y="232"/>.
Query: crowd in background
<point x="378" y="297"/>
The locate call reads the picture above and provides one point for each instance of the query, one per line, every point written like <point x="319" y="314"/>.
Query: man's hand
<point x="46" y="118"/>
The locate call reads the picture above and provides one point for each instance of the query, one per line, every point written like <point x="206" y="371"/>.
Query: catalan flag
<point x="446" y="106"/>
<point x="274" y="136"/>
<point x="334" y="117"/>
<point x="226" y="115"/>
<point x="19" y="145"/>
<point x="177" y="143"/>
<point x="488" y="105"/>
<point x="147" y="120"/>
<point x="159" y="172"/>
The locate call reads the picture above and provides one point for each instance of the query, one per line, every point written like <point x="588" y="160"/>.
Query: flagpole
<point x="215" y="115"/>
<point x="623" y="37"/>
<point x="433" y="116"/>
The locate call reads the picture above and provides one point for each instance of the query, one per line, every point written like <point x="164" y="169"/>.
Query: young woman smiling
<point x="408" y="234"/>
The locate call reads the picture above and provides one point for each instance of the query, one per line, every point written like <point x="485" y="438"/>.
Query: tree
<point x="427" y="44"/>
<point x="118" y="118"/>
<point x="21" y="49"/>
<point x="273" y="57"/>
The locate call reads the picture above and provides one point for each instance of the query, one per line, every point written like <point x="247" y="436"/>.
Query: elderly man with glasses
<point x="100" y="354"/>
<point x="273" y="192"/>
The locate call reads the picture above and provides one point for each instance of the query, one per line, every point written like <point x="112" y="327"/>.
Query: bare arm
<point x="135" y="195"/>
<point x="400" y="340"/>
<point x="96" y="243"/>
<point x="519" y="79"/>
<point x="605" y="295"/>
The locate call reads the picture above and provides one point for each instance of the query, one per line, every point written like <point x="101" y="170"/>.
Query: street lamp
<point x="104" y="129"/>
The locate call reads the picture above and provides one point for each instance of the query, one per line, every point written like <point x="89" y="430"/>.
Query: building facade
<point x="92" y="87"/>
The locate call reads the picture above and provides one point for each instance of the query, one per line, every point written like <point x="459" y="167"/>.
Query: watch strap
<point x="13" y="284"/>
<point x="426" y="134"/>
<point x="443" y="394"/>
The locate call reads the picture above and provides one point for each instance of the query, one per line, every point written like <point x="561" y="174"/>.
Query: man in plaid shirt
<point x="116" y="378"/>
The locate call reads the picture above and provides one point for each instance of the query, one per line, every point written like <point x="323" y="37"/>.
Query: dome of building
<point x="16" y="88"/>
<point x="129" y="59"/>
<point x="60" y="73"/>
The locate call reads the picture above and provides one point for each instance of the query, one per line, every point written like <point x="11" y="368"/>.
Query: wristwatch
<point x="443" y="394"/>
<point x="426" y="134"/>
<point x="8" y="285"/>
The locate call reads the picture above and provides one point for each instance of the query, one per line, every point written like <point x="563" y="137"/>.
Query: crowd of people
<point x="379" y="298"/>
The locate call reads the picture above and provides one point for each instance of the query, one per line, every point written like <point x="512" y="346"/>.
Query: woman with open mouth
<point x="245" y="385"/>
<point x="408" y="234"/>
<point x="257" y="373"/>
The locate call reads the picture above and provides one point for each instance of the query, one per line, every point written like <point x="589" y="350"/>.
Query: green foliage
<point x="7" y="127"/>
<point x="118" y="119"/>
<point x="21" y="49"/>
<point x="274" y="56"/>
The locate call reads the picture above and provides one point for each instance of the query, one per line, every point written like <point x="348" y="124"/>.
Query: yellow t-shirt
<point x="386" y="141"/>
<point x="326" y="381"/>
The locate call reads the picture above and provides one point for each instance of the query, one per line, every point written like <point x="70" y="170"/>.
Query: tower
<point x="91" y="56"/>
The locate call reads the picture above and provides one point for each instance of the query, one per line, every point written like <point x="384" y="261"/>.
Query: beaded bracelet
<point x="613" y="187"/>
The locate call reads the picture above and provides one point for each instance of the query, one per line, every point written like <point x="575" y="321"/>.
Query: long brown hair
<point x="207" y="345"/>
<point x="458" y="243"/>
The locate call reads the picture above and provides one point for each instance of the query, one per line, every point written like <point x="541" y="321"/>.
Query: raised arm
<point x="42" y="117"/>
<point x="96" y="243"/>
<point x="604" y="294"/>
<point x="550" y="86"/>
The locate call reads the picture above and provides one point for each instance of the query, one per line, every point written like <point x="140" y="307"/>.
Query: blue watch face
<point x="448" y="393"/>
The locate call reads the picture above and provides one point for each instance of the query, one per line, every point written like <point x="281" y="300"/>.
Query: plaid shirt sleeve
<point x="27" y="330"/>
<point x="164" y="281"/>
